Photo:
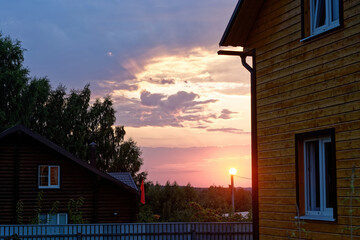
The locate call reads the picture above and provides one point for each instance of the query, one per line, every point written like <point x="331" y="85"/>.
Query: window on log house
<point x="53" y="219"/>
<point x="316" y="175"/>
<point x="319" y="16"/>
<point x="49" y="176"/>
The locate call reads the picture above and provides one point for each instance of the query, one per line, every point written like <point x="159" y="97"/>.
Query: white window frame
<point x="325" y="213"/>
<point x="329" y="23"/>
<point x="49" y="176"/>
<point x="57" y="215"/>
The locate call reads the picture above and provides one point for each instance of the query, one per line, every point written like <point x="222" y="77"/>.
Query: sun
<point x="232" y="171"/>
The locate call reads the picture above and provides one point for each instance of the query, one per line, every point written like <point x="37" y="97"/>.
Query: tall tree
<point x="68" y="120"/>
<point x="20" y="101"/>
<point x="108" y="140"/>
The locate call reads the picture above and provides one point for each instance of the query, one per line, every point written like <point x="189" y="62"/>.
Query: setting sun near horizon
<point x="232" y="171"/>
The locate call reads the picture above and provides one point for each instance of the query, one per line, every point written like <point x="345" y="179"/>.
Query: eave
<point x="241" y="23"/>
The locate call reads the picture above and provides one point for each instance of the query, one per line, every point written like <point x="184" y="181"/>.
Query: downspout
<point x="254" y="150"/>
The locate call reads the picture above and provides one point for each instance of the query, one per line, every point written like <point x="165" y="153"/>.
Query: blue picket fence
<point x="130" y="231"/>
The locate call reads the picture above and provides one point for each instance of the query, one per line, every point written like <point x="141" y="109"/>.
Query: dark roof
<point x="241" y="22"/>
<point x="124" y="177"/>
<point x="60" y="150"/>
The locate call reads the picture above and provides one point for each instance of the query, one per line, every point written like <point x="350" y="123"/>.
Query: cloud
<point x="167" y="81"/>
<point x="197" y="118"/>
<point x="189" y="65"/>
<point x="162" y="81"/>
<point x="226" y="114"/>
<point x="178" y="91"/>
<point x="180" y="102"/>
<point x="227" y="130"/>
<point x="201" y="127"/>
<point x="149" y="99"/>
<point x="79" y="31"/>
<point x="116" y="86"/>
<point x="158" y="109"/>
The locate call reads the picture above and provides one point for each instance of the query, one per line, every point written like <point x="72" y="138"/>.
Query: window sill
<point x="317" y="218"/>
<point x="305" y="39"/>
<point x="52" y="187"/>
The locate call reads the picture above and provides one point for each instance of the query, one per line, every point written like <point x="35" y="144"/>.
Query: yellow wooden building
<point x="305" y="114"/>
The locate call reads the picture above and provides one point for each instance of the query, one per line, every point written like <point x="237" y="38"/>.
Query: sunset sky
<point x="185" y="106"/>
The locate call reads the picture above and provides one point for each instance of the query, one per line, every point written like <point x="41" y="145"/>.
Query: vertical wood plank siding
<point x="75" y="182"/>
<point x="302" y="87"/>
<point x="129" y="231"/>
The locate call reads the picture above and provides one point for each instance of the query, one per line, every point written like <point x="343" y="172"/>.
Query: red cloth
<point x="142" y="189"/>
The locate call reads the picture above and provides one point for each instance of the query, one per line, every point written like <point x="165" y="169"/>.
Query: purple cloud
<point x="162" y="81"/>
<point x="226" y="114"/>
<point x="155" y="109"/>
<point x="167" y="81"/>
<point x="110" y="85"/>
<point x="180" y="100"/>
<point x="149" y="99"/>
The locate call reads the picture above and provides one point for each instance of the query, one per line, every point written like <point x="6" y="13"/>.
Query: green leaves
<point x="13" y="81"/>
<point x="38" y="208"/>
<point x="75" y="214"/>
<point x="173" y="203"/>
<point x="19" y="212"/>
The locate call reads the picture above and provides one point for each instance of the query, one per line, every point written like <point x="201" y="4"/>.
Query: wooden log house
<point x="305" y="87"/>
<point x="29" y="163"/>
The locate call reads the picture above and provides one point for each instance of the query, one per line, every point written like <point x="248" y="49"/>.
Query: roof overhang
<point x="241" y="22"/>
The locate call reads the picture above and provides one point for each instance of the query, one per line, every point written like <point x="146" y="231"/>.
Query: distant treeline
<point x="174" y="203"/>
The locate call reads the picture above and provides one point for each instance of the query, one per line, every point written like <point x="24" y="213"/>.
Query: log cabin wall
<point x="305" y="86"/>
<point x="121" y="210"/>
<point x="75" y="181"/>
<point x="7" y="182"/>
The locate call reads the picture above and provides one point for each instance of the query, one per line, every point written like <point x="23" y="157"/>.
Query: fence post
<point x="78" y="236"/>
<point x="193" y="234"/>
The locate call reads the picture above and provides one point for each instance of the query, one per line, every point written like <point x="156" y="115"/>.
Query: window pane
<point x="320" y="12"/>
<point x="44" y="181"/>
<point x="334" y="10"/>
<point x="44" y="174"/>
<point x="54" y="176"/>
<point x="43" y="218"/>
<point x="62" y="218"/>
<point x="44" y="171"/>
<point x="330" y="179"/>
<point x="313" y="175"/>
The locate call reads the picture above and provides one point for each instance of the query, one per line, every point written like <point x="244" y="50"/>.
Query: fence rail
<point x="130" y="231"/>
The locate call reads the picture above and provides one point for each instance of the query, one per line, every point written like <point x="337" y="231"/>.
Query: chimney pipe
<point x="93" y="154"/>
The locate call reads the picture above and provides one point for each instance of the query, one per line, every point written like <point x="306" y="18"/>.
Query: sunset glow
<point x="186" y="107"/>
<point x="232" y="171"/>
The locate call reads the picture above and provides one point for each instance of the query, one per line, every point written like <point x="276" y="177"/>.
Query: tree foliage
<point x="22" y="98"/>
<point x="173" y="203"/>
<point x="69" y="120"/>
